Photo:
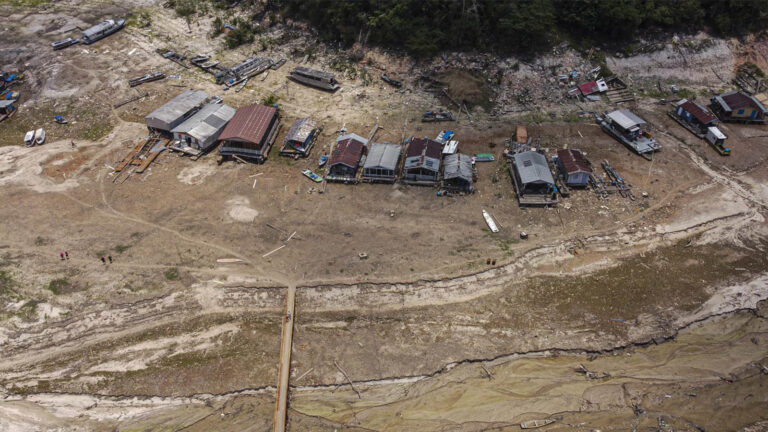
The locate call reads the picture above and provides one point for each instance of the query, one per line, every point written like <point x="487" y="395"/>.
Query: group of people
<point x="65" y="256"/>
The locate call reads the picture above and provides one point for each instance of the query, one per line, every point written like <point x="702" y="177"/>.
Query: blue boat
<point x="323" y="160"/>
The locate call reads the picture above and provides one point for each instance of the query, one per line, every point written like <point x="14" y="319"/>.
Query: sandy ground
<point x="166" y="337"/>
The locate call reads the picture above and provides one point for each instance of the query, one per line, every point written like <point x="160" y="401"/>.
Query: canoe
<point x="533" y="424"/>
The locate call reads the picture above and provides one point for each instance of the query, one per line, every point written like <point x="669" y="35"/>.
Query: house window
<point x="741" y="111"/>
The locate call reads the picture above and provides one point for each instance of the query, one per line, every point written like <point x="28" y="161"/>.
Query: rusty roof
<point x="348" y="151"/>
<point x="739" y="99"/>
<point x="573" y="161"/>
<point x="433" y="148"/>
<point x="249" y="123"/>
<point x="697" y="111"/>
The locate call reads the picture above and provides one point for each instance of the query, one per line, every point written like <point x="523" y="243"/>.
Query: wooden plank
<point x="284" y="369"/>
<point x="127" y="160"/>
<point x="151" y="156"/>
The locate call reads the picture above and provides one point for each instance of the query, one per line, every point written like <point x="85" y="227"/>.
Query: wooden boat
<point x="491" y="223"/>
<point x="60" y="119"/>
<point x="315" y="78"/>
<point x="533" y="424"/>
<point x="312" y="176"/>
<point x="64" y="43"/>
<point x="149" y="77"/>
<point x="483" y="157"/>
<point x="323" y="160"/>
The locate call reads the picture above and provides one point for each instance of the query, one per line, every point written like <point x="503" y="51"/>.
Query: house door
<point x="753" y="115"/>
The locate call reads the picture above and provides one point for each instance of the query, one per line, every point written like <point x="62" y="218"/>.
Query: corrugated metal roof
<point x="532" y="168"/>
<point x="697" y="111"/>
<point x="625" y="118"/>
<point x="418" y="146"/>
<point x="348" y="151"/>
<point x="383" y="155"/>
<point x="5" y="103"/>
<point x="573" y="161"/>
<point x="178" y="106"/>
<point x="738" y="99"/>
<point x="457" y="166"/>
<point x="249" y="123"/>
<point x="207" y="122"/>
<point x="300" y="130"/>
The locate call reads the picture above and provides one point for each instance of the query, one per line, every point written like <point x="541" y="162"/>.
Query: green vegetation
<point x="172" y="274"/>
<point x="121" y="248"/>
<point x="24" y="3"/>
<point x="58" y="286"/>
<point x="242" y="34"/>
<point x="426" y="27"/>
<point x="6" y="284"/>
<point x="270" y="100"/>
<point x="141" y="19"/>
<point x="40" y="241"/>
<point x="751" y="68"/>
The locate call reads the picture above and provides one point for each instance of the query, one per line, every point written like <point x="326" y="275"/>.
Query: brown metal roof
<point x="348" y="152"/>
<point x="738" y="100"/>
<point x="250" y="123"/>
<point x="573" y="161"/>
<point x="417" y="146"/>
<point x="699" y="112"/>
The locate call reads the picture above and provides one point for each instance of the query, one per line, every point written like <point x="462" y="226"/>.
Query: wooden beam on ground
<point x="284" y="369"/>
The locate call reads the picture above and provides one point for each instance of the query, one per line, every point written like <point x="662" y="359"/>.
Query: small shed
<point x="695" y="114"/>
<point x="422" y="162"/>
<point x="458" y="174"/>
<point x="175" y="112"/>
<point x="345" y="158"/>
<point x="574" y="167"/>
<point x="300" y="137"/>
<point x="251" y="133"/>
<point x="532" y="179"/>
<point x="381" y="163"/>
<point x="591" y="87"/>
<point x="204" y="127"/>
<point x="739" y="106"/>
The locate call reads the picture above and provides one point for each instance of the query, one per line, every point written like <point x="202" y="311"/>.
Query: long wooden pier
<point x="284" y="370"/>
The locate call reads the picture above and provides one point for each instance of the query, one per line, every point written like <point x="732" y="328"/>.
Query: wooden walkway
<point x="284" y="370"/>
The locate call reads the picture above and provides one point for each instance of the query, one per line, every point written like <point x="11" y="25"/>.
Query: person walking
<point x="61" y="254"/>
<point x="110" y="259"/>
<point x="103" y="261"/>
<point x="66" y="254"/>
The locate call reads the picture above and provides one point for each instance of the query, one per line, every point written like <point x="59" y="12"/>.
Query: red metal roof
<point x="347" y="152"/>
<point x="249" y="123"/>
<point x="698" y="112"/>
<point x="417" y="146"/>
<point x="573" y="161"/>
<point x="588" y="88"/>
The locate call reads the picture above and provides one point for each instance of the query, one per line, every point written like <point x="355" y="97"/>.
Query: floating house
<point x="381" y="163"/>
<point x="532" y="179"/>
<point x="315" y="78"/>
<point x="630" y="130"/>
<point x="175" y="112"/>
<point x="738" y="107"/>
<point x="200" y="132"/>
<point x="345" y="158"/>
<point x="592" y="87"/>
<point x="422" y="162"/>
<point x="574" y="167"/>
<point x="101" y="30"/>
<point x="458" y="173"/>
<point x="695" y="115"/>
<point x="300" y="138"/>
<point x="250" y="133"/>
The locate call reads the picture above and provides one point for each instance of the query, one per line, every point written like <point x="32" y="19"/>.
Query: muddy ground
<point x="166" y="338"/>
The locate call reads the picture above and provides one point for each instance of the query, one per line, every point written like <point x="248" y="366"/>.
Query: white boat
<point x="39" y="136"/>
<point x="489" y="220"/>
<point x="29" y="138"/>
